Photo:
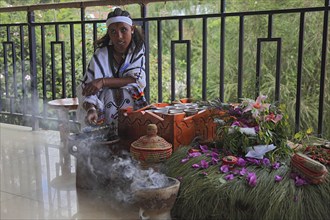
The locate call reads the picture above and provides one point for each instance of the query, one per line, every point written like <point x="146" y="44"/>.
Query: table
<point x="63" y="108"/>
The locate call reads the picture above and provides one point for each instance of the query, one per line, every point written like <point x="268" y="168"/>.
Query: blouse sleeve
<point x="136" y="68"/>
<point x="94" y="71"/>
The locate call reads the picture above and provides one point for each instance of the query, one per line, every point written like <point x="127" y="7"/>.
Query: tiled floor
<point x="36" y="185"/>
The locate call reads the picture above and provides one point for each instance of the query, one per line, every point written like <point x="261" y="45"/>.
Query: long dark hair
<point x="137" y="35"/>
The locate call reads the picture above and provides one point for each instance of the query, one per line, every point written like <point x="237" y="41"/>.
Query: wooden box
<point x="177" y="129"/>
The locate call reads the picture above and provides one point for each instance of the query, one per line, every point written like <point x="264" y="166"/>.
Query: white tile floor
<point x="35" y="185"/>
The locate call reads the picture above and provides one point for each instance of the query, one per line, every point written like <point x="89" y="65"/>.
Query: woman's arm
<point x="93" y="87"/>
<point x="117" y="82"/>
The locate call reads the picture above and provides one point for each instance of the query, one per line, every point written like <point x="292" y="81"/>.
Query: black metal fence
<point x="30" y="56"/>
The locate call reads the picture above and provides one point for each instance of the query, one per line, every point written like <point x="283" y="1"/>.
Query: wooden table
<point x="63" y="108"/>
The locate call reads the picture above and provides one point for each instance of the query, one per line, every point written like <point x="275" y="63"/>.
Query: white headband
<point x="117" y="19"/>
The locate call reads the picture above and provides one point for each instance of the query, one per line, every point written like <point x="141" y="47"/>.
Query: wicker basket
<point x="151" y="155"/>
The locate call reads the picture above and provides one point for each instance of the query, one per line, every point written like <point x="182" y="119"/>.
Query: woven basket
<point x="151" y="155"/>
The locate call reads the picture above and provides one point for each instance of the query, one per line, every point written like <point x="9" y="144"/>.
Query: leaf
<point x="298" y="136"/>
<point x="309" y="131"/>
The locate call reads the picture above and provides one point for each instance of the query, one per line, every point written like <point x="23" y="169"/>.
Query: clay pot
<point x="156" y="203"/>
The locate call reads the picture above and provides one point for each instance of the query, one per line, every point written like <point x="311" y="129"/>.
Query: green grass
<point x="212" y="197"/>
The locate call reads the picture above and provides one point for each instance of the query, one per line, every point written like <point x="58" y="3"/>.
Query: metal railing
<point x="37" y="57"/>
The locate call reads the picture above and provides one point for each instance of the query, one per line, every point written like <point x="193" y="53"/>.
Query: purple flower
<point x="235" y="123"/>
<point x="278" y="178"/>
<point x="252" y="179"/>
<point x="243" y="171"/>
<point x="195" y="165"/>
<point x="204" y="173"/>
<point x="204" y="164"/>
<point x="300" y="181"/>
<point x="276" y="165"/>
<point x="184" y="160"/>
<point x="224" y="168"/>
<point x="265" y="162"/>
<point x="215" y="161"/>
<point x="215" y="150"/>
<point x="204" y="148"/>
<point x="236" y="111"/>
<point x="241" y="162"/>
<point x="214" y="155"/>
<point x="293" y="175"/>
<point x="229" y="177"/>
<point x="195" y="154"/>
<point x="253" y="161"/>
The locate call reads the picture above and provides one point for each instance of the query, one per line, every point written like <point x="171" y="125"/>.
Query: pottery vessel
<point x="156" y="203"/>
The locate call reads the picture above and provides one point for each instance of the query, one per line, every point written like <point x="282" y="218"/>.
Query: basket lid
<point x="151" y="140"/>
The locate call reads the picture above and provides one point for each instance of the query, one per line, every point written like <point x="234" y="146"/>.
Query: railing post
<point x="145" y="27"/>
<point x="83" y="38"/>
<point x="323" y="66"/>
<point x="33" y="70"/>
<point x="222" y="50"/>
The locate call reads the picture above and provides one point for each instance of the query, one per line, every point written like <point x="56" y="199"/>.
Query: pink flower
<point x="300" y="181"/>
<point x="241" y="162"/>
<point x="224" y="168"/>
<point x="236" y="123"/>
<point x="278" y="178"/>
<point x="195" y="165"/>
<point x="274" y="118"/>
<point x="257" y="106"/>
<point x="214" y="155"/>
<point x="229" y="177"/>
<point x="252" y="179"/>
<point x="204" y="148"/>
<point x="243" y="171"/>
<point x="204" y="164"/>
<point x="215" y="161"/>
<point x="253" y="161"/>
<point x="204" y="173"/>
<point x="276" y="165"/>
<point x="195" y="154"/>
<point x="265" y="162"/>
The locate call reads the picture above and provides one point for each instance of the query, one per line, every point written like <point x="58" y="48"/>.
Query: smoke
<point x="117" y="173"/>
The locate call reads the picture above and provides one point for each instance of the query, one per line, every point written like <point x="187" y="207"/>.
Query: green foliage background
<point x="285" y="26"/>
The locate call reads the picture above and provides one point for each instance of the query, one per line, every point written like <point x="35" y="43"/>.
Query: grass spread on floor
<point x="210" y="196"/>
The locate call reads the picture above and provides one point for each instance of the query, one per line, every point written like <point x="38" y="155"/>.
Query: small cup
<point x="160" y="111"/>
<point x="190" y="111"/>
<point x="175" y="111"/>
<point x="180" y="105"/>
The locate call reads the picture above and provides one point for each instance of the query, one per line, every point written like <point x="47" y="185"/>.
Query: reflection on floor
<point x="38" y="180"/>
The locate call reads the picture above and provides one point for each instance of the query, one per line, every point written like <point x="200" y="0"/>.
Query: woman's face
<point x="121" y="35"/>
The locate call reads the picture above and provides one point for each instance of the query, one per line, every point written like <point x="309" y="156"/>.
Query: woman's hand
<point x="91" y="117"/>
<point x="93" y="87"/>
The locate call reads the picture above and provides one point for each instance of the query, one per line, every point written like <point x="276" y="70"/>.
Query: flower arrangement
<point x="252" y="125"/>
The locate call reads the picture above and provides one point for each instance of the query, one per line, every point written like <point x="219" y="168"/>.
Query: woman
<point x="115" y="77"/>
